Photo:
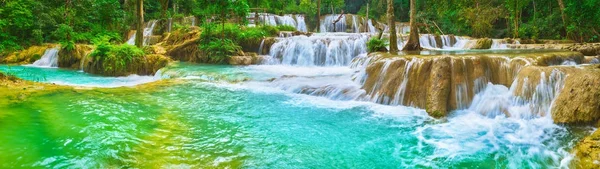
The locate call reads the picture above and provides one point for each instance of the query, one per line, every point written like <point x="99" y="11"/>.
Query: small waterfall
<point x="400" y="93"/>
<point x="328" y="26"/>
<point x="372" y="28"/>
<point x="448" y="42"/>
<point x="502" y="43"/>
<point x="286" y="20"/>
<point x="169" y="24"/>
<point x="297" y="21"/>
<point x="260" y="48"/>
<point x="147" y="33"/>
<point x="318" y="50"/>
<point x="499" y="44"/>
<point x="49" y="59"/>
<point x="497" y="100"/>
<point x="301" y="24"/>
<point x="355" y="24"/>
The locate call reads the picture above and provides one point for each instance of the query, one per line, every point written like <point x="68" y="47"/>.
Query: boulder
<point x="483" y="43"/>
<point x="579" y="100"/>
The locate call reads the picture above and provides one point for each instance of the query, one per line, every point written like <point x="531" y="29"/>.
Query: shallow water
<point x="72" y="77"/>
<point x="226" y="116"/>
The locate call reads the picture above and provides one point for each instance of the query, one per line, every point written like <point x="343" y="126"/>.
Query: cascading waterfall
<point x="497" y="100"/>
<point x="147" y="33"/>
<point x="501" y="43"/>
<point x="355" y="24"/>
<point x="429" y="41"/>
<point x="331" y="49"/>
<point x="49" y="59"/>
<point x="301" y="24"/>
<point x="297" y="21"/>
<point x="372" y="28"/>
<point x="327" y="24"/>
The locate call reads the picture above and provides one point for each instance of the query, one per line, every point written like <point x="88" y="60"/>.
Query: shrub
<point x="219" y="51"/>
<point x="377" y="45"/>
<point x="68" y="45"/>
<point x="111" y="59"/>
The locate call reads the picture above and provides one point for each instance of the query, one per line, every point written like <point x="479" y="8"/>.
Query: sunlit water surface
<point x="225" y="116"/>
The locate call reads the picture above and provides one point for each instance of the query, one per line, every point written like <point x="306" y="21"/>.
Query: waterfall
<point x="260" y="48"/>
<point x="318" y="50"/>
<point x="49" y="59"/>
<point x="371" y="27"/>
<point x="297" y="21"/>
<point x="501" y="43"/>
<point x="170" y="24"/>
<point x="448" y="42"/>
<point x="497" y="100"/>
<point x="286" y="20"/>
<point x="301" y="24"/>
<point x="147" y="33"/>
<point x="355" y="24"/>
<point x="328" y="26"/>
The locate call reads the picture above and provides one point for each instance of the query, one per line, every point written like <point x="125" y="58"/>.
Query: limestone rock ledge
<point x="442" y="83"/>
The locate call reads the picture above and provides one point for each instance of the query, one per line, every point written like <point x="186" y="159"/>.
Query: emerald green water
<point x="230" y="117"/>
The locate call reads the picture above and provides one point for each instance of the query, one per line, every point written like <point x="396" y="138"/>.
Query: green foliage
<point x="219" y="51"/>
<point x="68" y="45"/>
<point x="286" y="28"/>
<point x="376" y="44"/>
<point x="239" y="34"/>
<point x="115" y="58"/>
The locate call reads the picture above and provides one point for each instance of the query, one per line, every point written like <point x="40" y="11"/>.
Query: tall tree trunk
<point x="561" y="4"/>
<point x="139" y="34"/>
<point x="318" y="16"/>
<point x="164" y="4"/>
<point x="367" y="18"/>
<point x="392" y="24"/>
<point x="516" y="20"/>
<point x="413" y="43"/>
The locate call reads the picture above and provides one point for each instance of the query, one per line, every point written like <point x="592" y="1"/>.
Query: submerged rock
<point x="249" y="59"/>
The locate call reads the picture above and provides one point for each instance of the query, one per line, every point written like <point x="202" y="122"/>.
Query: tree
<point x="318" y="16"/>
<point x="392" y="25"/>
<point x="366" y="24"/>
<point x="413" y="43"/>
<point x="164" y="4"/>
<point x="139" y="34"/>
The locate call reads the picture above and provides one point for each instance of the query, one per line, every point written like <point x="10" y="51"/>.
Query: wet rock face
<point x="484" y="43"/>
<point x="72" y="59"/>
<point x="249" y="59"/>
<point x="441" y="84"/>
<point x="579" y="101"/>
<point x="586" y="49"/>
<point x="587" y="152"/>
<point x="146" y="65"/>
<point x="26" y="56"/>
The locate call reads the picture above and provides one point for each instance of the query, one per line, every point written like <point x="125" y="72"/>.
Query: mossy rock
<point x="587" y="152"/>
<point x="146" y="65"/>
<point x="27" y="56"/>
<point x="484" y="43"/>
<point x="72" y="59"/>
